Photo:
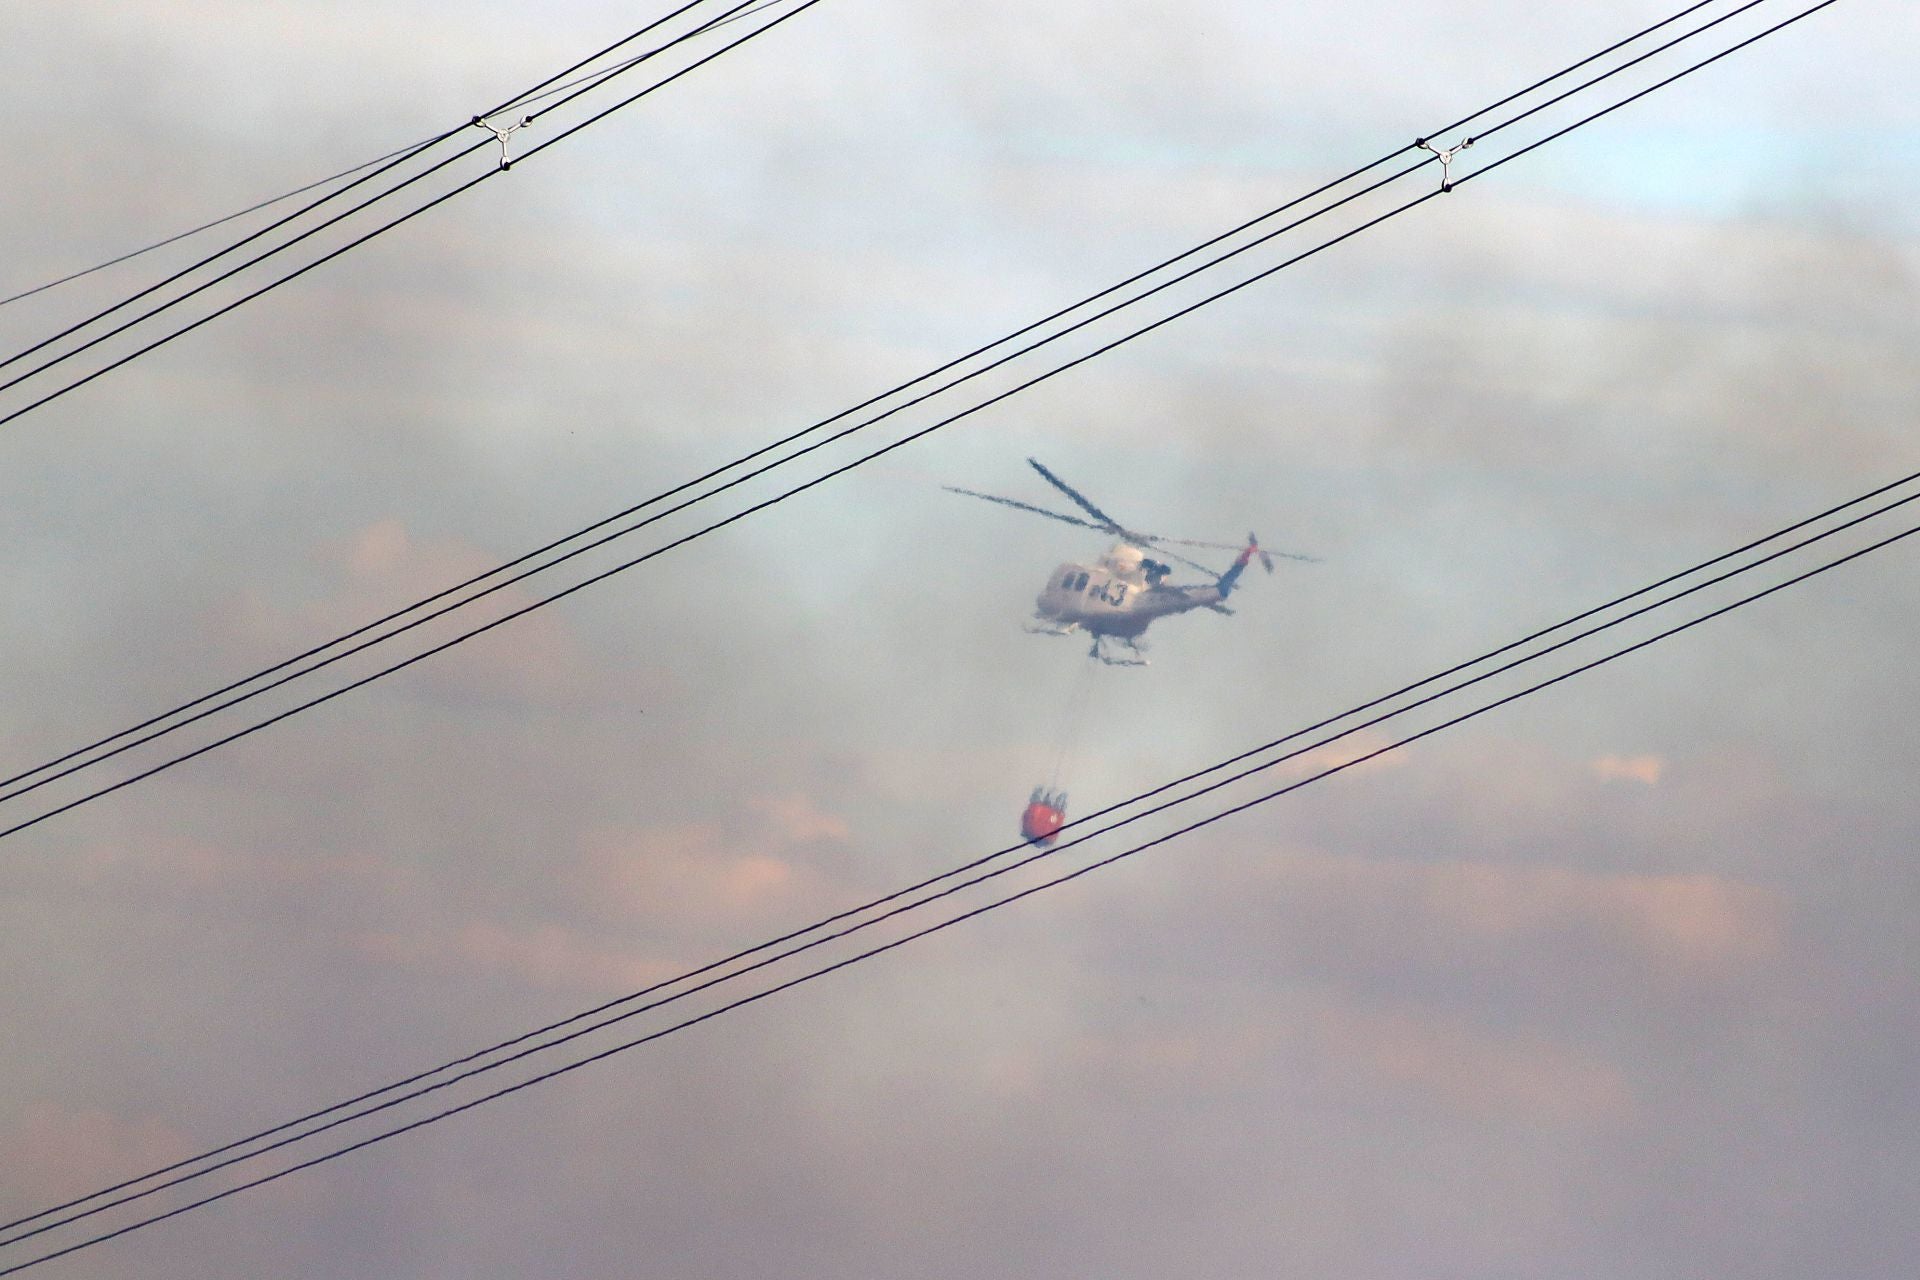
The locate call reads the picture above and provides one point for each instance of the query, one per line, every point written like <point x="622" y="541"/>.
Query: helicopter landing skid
<point x="1099" y="651"/>
<point x="1032" y="630"/>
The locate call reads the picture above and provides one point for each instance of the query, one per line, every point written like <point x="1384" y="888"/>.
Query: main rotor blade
<point x="1025" y="506"/>
<point x="1107" y="522"/>
<point x="1228" y="546"/>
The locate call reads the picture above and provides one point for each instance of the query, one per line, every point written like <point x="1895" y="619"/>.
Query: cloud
<point x="53" y="1152"/>
<point x="1349" y="749"/>
<point x="1546" y="943"/>
<point x="1454" y="1065"/>
<point x="1504" y="399"/>
<point x="697" y="875"/>
<point x="542" y="955"/>
<point x="383" y="566"/>
<point x="182" y="867"/>
<point x="636" y="905"/>
<point x="797" y="819"/>
<point x="1688" y="927"/>
<point x="1643" y="769"/>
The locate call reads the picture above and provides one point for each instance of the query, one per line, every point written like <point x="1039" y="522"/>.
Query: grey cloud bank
<point x="1617" y="982"/>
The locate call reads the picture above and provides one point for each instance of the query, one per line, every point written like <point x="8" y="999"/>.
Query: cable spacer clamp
<point x="481" y="122"/>
<point x="1446" y="158"/>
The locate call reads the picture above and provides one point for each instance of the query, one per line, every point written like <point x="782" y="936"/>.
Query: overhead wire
<point x="823" y="423"/>
<point x="631" y="563"/>
<point x="1525" y="640"/>
<point x="737" y="14"/>
<point x="429" y="142"/>
<point x="1537" y="143"/>
<point x="1241" y="758"/>
<point x="530" y="96"/>
<point x="739" y="480"/>
<point x="951" y="890"/>
<point x="402" y="152"/>
<point x="18" y="379"/>
<point x="1137" y="799"/>
<point x="1684" y="626"/>
<point x="657" y="498"/>
<point x="874" y="399"/>
<point x="478" y="145"/>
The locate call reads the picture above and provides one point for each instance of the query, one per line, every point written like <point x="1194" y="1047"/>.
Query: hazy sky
<point x="1615" y="982"/>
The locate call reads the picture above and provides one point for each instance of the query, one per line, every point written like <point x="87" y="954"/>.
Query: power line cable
<point x="240" y="243"/>
<point x="737" y="14"/>
<point x="1581" y="638"/>
<point x="337" y="218"/>
<point x="478" y="145"/>
<point x="245" y="240"/>
<point x="1242" y="757"/>
<point x="1016" y="334"/>
<point x="677" y="489"/>
<point x="1658" y="84"/>
<point x="845" y="432"/>
<point x="702" y="532"/>
<point x="530" y="96"/>
<point x="403" y="152"/>
<point x="1469" y="715"/>
<point x="1009" y="899"/>
<point x="312" y="231"/>
<point x="439" y="595"/>
<point x="1031" y="858"/>
<point x="653" y="519"/>
<point x="1137" y="799"/>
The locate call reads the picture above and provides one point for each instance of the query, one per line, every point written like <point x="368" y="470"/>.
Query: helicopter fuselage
<point x="1119" y="597"/>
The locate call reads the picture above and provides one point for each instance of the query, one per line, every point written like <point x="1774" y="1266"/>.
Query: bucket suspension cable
<point x="1072" y="720"/>
<point x="1046" y="810"/>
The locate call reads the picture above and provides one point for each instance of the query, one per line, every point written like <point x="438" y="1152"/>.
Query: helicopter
<point x="1117" y="598"/>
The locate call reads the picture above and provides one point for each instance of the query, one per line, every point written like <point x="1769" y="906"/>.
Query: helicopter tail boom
<point x="1232" y="575"/>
